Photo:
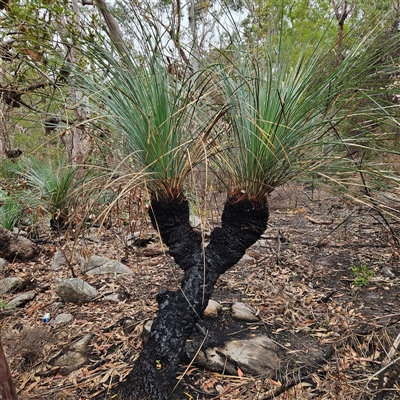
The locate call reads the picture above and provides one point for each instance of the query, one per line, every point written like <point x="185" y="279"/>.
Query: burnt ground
<point x="333" y="325"/>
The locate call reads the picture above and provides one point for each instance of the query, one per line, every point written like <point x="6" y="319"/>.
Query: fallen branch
<point x="316" y="222"/>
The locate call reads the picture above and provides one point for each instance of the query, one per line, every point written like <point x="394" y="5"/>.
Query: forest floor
<point x="324" y="281"/>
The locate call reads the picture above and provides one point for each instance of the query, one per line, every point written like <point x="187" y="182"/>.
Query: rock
<point x="70" y="361"/>
<point x="140" y="238"/>
<point x="96" y="265"/>
<point x="21" y="299"/>
<point x="9" y="284"/>
<point x="19" y="232"/>
<point x="55" y="306"/>
<point x="255" y="356"/>
<point x="62" y="319"/>
<point x="386" y="271"/>
<point x="247" y="259"/>
<point x="194" y="221"/>
<point x="74" y="358"/>
<point x="75" y="290"/>
<point x="129" y="326"/>
<point x="82" y="343"/>
<point x="3" y="264"/>
<point x="114" y="298"/>
<point x="213" y="309"/>
<point x="16" y="247"/>
<point x="243" y="313"/>
<point x="59" y="261"/>
<point x="146" y="331"/>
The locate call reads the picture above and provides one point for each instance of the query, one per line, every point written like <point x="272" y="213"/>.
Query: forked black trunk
<point x="243" y="222"/>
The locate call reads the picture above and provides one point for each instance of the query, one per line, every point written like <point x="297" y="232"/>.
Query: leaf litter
<point x="332" y="335"/>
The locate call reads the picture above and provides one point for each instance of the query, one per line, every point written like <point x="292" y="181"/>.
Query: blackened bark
<point x="242" y="224"/>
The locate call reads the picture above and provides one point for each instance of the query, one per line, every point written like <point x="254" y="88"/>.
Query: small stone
<point x="82" y="343"/>
<point x="59" y="261"/>
<point x="140" y="238"/>
<point x="75" y="290"/>
<point x="114" y="298"/>
<point x="21" y="299"/>
<point x="386" y="271"/>
<point x="195" y="221"/>
<point x="3" y="264"/>
<point x="9" y="284"/>
<point x="19" y="232"/>
<point x="62" y="319"/>
<point x="243" y="313"/>
<point x="55" y="306"/>
<point x="129" y="326"/>
<point x="146" y="331"/>
<point x="96" y="265"/>
<point x="247" y="259"/>
<point x="213" y="309"/>
<point x="70" y="361"/>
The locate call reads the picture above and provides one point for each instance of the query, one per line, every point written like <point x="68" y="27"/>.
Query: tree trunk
<point x="7" y="389"/>
<point x="16" y="247"/>
<point x="242" y="224"/>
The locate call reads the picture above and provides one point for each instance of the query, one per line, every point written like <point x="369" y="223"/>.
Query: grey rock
<point x="19" y="232"/>
<point x="3" y="264"/>
<point x="62" y="319"/>
<point x="81" y="344"/>
<point x="55" y="306"/>
<point x="59" y="261"/>
<point x="386" y="271"/>
<point x="74" y="358"/>
<point x="140" y="238"/>
<point x="213" y="309"/>
<point x="21" y="299"/>
<point x="243" y="313"/>
<point x="9" y="284"/>
<point x="96" y="265"/>
<point x="247" y="259"/>
<point x="114" y="298"/>
<point x="195" y="221"/>
<point x="129" y="326"/>
<point x="75" y="290"/>
<point x="255" y="356"/>
<point x="70" y="361"/>
<point x="146" y="331"/>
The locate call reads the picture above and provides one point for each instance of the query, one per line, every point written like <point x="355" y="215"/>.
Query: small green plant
<point x="10" y="210"/>
<point x="362" y="275"/>
<point x="2" y="305"/>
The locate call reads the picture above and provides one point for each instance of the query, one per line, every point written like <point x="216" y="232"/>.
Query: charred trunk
<point x="243" y="222"/>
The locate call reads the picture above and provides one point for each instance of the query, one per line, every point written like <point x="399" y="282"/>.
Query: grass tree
<point x="49" y="188"/>
<point x="282" y="116"/>
<point x="11" y="210"/>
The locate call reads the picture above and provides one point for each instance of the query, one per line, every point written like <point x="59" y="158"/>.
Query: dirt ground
<point x="324" y="280"/>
